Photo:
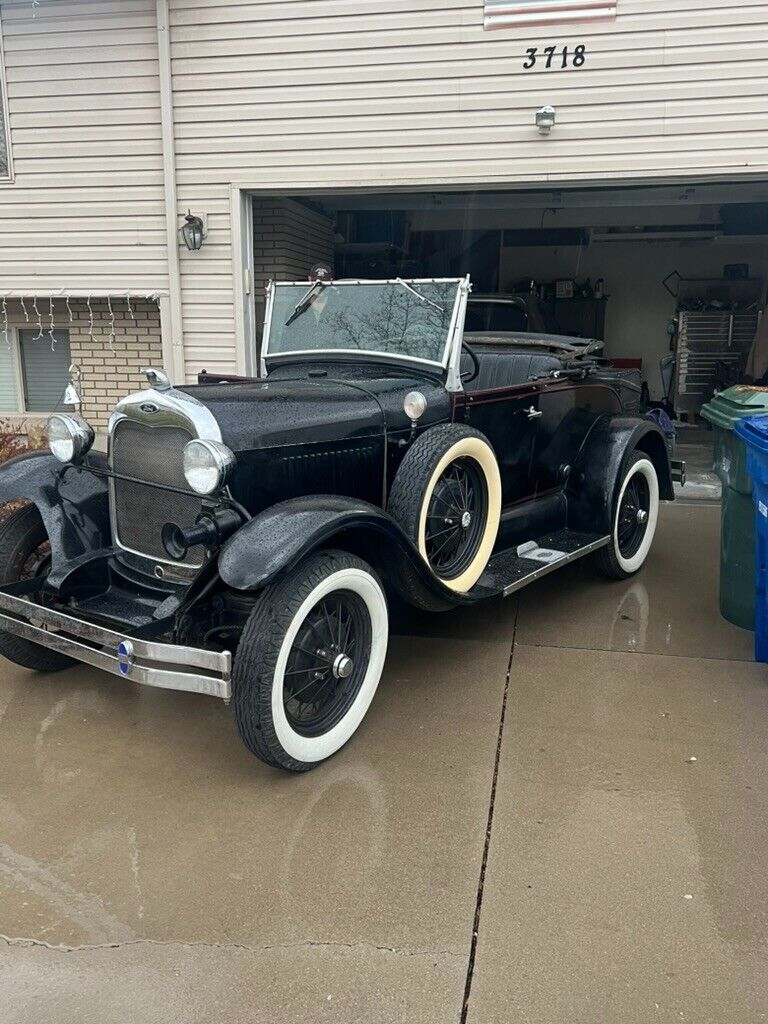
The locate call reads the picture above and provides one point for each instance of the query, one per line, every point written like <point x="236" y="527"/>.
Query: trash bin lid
<point x="754" y="431"/>
<point x="738" y="401"/>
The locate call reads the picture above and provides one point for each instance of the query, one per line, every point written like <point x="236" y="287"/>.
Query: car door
<point x="508" y="418"/>
<point x="567" y="411"/>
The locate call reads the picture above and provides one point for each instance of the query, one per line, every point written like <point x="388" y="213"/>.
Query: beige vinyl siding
<point x="278" y="94"/>
<point x="85" y="210"/>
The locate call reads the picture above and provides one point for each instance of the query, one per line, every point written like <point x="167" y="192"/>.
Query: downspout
<point x="172" y="327"/>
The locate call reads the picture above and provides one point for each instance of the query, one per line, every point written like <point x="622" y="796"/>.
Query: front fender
<point x="599" y="469"/>
<point x="73" y="503"/>
<point x="278" y="538"/>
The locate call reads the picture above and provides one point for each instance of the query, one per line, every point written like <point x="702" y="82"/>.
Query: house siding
<point x="280" y="95"/>
<point x="85" y="211"/>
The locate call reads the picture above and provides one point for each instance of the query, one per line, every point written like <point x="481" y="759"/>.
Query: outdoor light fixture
<point x="193" y="232"/>
<point x="545" y="119"/>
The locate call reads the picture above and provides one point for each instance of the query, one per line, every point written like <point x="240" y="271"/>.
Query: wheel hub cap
<point x="342" y="666"/>
<point x="642" y="516"/>
<point x="466" y="520"/>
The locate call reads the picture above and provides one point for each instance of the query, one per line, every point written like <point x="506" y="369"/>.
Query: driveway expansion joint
<point x="23" y="942"/>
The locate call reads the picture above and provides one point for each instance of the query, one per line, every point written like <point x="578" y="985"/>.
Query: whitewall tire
<point x="310" y="660"/>
<point x="447" y="497"/>
<point x="634" y="521"/>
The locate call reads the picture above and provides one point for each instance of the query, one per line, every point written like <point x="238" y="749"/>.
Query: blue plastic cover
<point x="754" y="431"/>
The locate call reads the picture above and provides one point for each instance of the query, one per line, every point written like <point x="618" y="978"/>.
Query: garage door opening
<point x="672" y="278"/>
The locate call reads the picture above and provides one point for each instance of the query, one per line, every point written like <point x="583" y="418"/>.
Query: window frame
<point x="14" y="340"/>
<point x="5" y="127"/>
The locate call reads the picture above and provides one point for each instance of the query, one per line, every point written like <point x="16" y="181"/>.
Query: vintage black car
<point x="243" y="537"/>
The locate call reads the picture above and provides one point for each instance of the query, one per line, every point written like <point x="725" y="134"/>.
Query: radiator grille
<point x="153" y="454"/>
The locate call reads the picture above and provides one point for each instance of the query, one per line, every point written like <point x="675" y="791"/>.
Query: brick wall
<point x="288" y="239"/>
<point x="110" y="355"/>
<point x="111" y="365"/>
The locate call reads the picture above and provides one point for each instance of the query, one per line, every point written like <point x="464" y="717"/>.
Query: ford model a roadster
<point x="241" y="537"/>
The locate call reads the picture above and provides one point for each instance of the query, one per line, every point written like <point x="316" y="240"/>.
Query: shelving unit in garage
<point x="713" y="342"/>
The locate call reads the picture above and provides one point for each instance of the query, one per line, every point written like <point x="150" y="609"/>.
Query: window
<point x="508" y="13"/>
<point x="5" y="138"/>
<point x="33" y="377"/>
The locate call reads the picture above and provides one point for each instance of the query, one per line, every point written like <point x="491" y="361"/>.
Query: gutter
<point x="171" y="321"/>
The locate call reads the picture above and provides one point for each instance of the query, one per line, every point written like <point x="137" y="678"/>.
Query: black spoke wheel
<point x="456" y="518"/>
<point x="634" y="517"/>
<point x="634" y="514"/>
<point x="446" y="496"/>
<point x="310" y="659"/>
<point x="327" y="663"/>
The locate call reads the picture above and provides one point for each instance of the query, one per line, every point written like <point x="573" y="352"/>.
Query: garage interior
<point x="672" y="278"/>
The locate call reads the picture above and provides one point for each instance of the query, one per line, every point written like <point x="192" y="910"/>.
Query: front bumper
<point x="168" y="666"/>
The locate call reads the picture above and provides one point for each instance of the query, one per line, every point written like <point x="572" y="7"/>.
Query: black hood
<point x="294" y="407"/>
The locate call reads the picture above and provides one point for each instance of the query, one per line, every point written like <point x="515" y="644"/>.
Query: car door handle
<point x="533" y="413"/>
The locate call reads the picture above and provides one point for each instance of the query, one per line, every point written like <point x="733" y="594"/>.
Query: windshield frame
<point x="448" y="363"/>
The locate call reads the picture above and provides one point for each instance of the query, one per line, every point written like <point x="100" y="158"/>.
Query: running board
<point x="511" y="570"/>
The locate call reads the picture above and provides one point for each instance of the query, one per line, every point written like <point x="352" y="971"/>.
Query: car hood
<point x="267" y="413"/>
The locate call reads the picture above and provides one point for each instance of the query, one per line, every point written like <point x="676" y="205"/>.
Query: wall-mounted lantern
<point x="193" y="232"/>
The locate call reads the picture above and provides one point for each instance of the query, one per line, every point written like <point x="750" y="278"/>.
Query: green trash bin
<point x="737" y="526"/>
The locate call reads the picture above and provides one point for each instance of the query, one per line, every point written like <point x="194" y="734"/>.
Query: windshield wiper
<point x="419" y="296"/>
<point x="304" y="302"/>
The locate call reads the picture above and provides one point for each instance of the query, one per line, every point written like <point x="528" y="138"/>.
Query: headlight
<point x="69" y="437"/>
<point x="207" y="465"/>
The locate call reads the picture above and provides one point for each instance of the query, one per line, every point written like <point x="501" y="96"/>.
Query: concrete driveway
<point x="518" y="832"/>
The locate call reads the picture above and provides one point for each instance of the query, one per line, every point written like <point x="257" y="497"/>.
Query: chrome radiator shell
<point x="147" y="434"/>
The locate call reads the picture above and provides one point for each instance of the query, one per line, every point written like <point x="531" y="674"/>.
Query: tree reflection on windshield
<point x="402" y="320"/>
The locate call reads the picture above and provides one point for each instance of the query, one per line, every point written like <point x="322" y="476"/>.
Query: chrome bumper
<point x="167" y="666"/>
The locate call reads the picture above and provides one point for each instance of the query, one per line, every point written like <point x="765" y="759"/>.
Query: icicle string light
<point x="131" y="313"/>
<point x="69" y="310"/>
<point x="4" y="313"/>
<point x="24" y="310"/>
<point x="90" y="319"/>
<point x="36" y="308"/>
<point x="111" y="325"/>
<point x="51" y="324"/>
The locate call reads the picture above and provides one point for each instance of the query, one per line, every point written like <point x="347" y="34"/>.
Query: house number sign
<point x="549" y="57"/>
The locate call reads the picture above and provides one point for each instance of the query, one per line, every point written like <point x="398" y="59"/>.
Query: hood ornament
<point x="157" y="379"/>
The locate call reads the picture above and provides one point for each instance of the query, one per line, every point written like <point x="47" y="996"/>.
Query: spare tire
<point x="446" y="495"/>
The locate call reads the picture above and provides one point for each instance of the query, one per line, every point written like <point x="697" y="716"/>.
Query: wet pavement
<point x="152" y="871"/>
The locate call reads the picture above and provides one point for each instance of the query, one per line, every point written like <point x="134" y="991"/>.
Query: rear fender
<point x="599" y="469"/>
<point x="72" y="502"/>
<point x="278" y="538"/>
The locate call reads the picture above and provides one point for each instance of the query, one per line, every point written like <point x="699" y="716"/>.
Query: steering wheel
<point x="469" y="375"/>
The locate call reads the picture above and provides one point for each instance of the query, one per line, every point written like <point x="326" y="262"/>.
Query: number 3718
<point x="549" y="57"/>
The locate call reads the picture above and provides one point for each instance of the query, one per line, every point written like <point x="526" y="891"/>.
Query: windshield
<point x="404" y="319"/>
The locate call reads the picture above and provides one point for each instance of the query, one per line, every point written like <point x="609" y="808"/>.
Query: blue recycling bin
<point x="753" y="431"/>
